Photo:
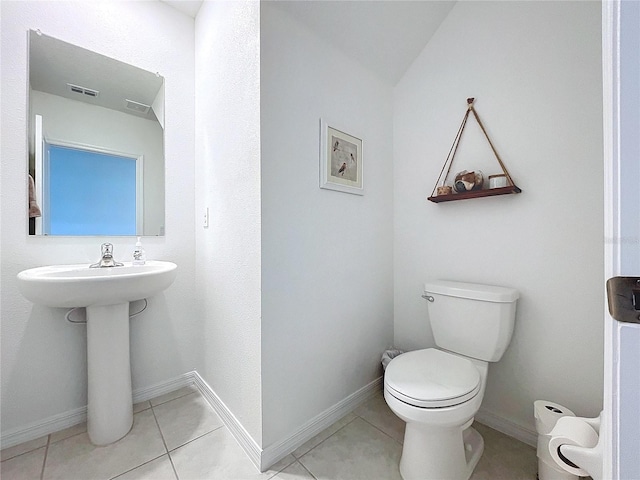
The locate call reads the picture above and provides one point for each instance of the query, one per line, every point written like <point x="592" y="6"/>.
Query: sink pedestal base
<point x="110" y="403"/>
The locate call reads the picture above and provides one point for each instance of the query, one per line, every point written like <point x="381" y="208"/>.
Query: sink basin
<point x="80" y="286"/>
<point x="106" y="293"/>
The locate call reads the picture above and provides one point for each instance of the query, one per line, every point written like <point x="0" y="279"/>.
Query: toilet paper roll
<point x="547" y="414"/>
<point x="571" y="431"/>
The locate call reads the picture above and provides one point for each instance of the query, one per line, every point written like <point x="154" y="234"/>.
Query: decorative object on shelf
<point x="466" y="181"/>
<point x="341" y="160"/>
<point x="470" y="184"/>
<point x="497" y="181"/>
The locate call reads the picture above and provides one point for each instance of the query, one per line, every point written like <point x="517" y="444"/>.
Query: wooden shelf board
<point x="489" y="192"/>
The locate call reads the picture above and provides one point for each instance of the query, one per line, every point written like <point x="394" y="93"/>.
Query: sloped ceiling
<point x="54" y="64"/>
<point x="385" y="36"/>
<point x="190" y="7"/>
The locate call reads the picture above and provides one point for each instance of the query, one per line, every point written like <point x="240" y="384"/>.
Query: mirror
<point x="96" y="143"/>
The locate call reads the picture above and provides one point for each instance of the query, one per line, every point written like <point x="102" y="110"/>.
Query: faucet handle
<point x="107" y="250"/>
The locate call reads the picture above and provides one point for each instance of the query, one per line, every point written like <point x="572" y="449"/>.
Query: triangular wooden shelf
<point x="486" y="192"/>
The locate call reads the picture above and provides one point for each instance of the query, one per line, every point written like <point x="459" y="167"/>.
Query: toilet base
<point x="437" y="453"/>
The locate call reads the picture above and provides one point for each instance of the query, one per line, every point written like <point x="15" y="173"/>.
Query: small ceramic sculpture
<point x="466" y="181"/>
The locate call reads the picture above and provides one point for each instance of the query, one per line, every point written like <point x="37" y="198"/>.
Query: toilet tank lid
<point x="472" y="291"/>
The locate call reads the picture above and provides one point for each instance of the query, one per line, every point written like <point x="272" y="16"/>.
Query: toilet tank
<point x="472" y="319"/>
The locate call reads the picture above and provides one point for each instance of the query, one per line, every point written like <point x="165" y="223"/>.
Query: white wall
<point x="296" y="283"/>
<point x="327" y="275"/>
<point x="84" y="124"/>
<point x="534" y="68"/>
<point x="228" y="182"/>
<point x="43" y="356"/>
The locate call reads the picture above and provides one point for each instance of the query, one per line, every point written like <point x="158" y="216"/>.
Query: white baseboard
<point x="281" y="449"/>
<point x="246" y="441"/>
<point x="263" y="459"/>
<point x="73" y="417"/>
<point x="162" y="388"/>
<point x="507" y="427"/>
<point x="43" y="427"/>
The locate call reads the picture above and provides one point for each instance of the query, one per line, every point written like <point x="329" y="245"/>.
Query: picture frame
<point x="341" y="159"/>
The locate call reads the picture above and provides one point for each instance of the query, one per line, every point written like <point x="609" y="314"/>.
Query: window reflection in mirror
<point x="96" y="143"/>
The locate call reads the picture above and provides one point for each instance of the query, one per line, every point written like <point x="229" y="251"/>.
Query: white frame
<point x="139" y="159"/>
<point x="38" y="172"/>
<point x="328" y="130"/>
<point x="621" y="357"/>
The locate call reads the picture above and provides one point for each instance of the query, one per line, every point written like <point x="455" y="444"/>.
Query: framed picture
<point x="341" y="159"/>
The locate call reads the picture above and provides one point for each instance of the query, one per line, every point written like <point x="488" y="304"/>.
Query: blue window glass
<point x="81" y="202"/>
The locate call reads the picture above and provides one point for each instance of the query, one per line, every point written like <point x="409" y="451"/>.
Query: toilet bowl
<point x="438" y="391"/>
<point x="438" y="403"/>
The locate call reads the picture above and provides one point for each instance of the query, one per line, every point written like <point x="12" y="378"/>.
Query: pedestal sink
<point x="106" y="293"/>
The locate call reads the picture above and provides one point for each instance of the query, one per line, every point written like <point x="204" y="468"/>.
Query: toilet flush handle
<point x="428" y="297"/>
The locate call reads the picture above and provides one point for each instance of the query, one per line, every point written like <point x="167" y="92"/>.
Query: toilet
<point x="438" y="391"/>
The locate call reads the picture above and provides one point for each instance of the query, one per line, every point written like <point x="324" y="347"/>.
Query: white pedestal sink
<point x="106" y="293"/>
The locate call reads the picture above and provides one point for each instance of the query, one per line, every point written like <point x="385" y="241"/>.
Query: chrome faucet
<point x="107" y="258"/>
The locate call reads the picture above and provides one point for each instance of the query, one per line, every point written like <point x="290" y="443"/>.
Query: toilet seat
<point x="431" y="378"/>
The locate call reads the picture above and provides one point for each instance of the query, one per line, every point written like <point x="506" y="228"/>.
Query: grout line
<point x="174" y="398"/>
<point x="166" y="450"/>
<point x="380" y="430"/>
<point x="138" y="466"/>
<point x="196" y="438"/>
<point x="307" y="470"/>
<point x="295" y="460"/>
<point x="316" y="446"/>
<point x="187" y="443"/>
<point x="163" y="440"/>
<point x="27" y="451"/>
<point x="51" y="442"/>
<point x="46" y="452"/>
<point x="175" y="472"/>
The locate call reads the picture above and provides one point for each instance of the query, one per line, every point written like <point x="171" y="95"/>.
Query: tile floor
<point x="179" y="436"/>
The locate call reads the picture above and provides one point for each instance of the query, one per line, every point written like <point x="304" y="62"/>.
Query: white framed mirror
<point x="96" y="143"/>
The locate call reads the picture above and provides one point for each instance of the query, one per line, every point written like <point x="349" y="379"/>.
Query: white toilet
<point x="437" y="391"/>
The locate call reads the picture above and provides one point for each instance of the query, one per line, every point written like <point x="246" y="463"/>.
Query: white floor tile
<point x="139" y="407"/>
<point x="377" y="413"/>
<point x="319" y="438"/>
<point x="25" y="447"/>
<point x="362" y="445"/>
<point x="76" y="458"/>
<point x="218" y="456"/>
<point x="359" y="451"/>
<point x="158" y="469"/>
<point x="504" y="458"/>
<point x="68" y="432"/>
<point x="295" y="471"/>
<point x="167" y="397"/>
<point x="186" y="418"/>
<point x="27" y="466"/>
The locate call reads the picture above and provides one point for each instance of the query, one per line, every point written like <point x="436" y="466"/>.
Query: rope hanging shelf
<point x="447" y="194"/>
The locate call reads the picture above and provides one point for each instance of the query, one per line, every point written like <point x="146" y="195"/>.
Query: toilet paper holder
<point x="576" y="446"/>
<point x="623" y="295"/>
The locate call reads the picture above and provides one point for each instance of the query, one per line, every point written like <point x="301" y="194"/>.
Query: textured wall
<point x="43" y="356"/>
<point x="535" y="69"/>
<point x="327" y="292"/>
<point x="228" y="182"/>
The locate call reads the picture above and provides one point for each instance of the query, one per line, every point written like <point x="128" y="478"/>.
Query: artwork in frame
<point x="341" y="159"/>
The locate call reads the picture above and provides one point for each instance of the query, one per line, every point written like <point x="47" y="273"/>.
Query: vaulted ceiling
<point x="384" y="36"/>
